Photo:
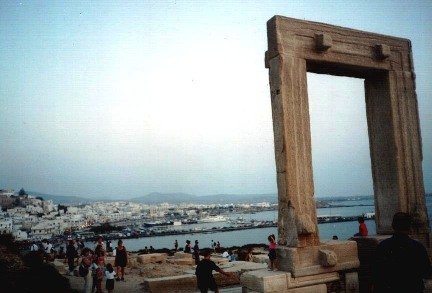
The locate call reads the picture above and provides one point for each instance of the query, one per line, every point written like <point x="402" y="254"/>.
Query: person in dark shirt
<point x="187" y="248"/>
<point x="401" y="263"/>
<point x="204" y="273"/>
<point x="71" y="254"/>
<point x="196" y="252"/>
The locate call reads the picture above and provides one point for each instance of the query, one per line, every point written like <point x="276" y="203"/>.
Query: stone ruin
<point x="296" y="47"/>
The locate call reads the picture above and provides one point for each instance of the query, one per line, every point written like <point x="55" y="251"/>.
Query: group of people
<point x="205" y="267"/>
<point x="147" y="250"/>
<point x="47" y="249"/>
<point x="400" y="263"/>
<point x="195" y="250"/>
<point x="93" y="267"/>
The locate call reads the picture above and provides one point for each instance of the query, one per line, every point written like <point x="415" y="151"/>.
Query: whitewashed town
<point x="29" y="217"/>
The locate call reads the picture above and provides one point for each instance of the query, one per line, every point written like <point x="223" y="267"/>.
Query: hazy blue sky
<point x="126" y="98"/>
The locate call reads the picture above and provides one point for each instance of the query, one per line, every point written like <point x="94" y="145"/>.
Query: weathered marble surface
<point x="296" y="47"/>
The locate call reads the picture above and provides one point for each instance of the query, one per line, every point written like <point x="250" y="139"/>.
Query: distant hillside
<point x="156" y="197"/>
<point x="175" y="198"/>
<point x="62" y="199"/>
<point x="239" y="198"/>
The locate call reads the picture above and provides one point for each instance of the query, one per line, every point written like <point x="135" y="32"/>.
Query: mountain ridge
<point x="180" y="197"/>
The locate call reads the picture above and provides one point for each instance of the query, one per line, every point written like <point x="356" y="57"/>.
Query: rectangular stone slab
<point x="305" y="261"/>
<point x="271" y="281"/>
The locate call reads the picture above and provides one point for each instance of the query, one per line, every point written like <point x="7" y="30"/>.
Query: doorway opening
<point x="341" y="162"/>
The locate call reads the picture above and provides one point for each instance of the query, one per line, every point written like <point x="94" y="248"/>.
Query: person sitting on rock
<point x="363" y="231"/>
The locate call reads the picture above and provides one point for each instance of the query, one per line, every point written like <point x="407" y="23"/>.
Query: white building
<point x="7" y="192"/>
<point x="20" y="235"/>
<point x="48" y="228"/>
<point x="6" y="225"/>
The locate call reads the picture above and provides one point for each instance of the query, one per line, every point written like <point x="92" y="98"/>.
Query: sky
<point x="123" y="98"/>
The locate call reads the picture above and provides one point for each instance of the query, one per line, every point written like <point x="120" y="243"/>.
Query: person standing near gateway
<point x="401" y="263"/>
<point x="272" y="251"/>
<point x="363" y="231"/>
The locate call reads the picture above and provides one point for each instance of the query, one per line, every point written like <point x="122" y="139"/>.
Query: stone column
<point x="297" y="222"/>
<point x="395" y="144"/>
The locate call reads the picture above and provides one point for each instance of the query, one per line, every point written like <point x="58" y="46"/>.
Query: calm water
<point x="343" y="230"/>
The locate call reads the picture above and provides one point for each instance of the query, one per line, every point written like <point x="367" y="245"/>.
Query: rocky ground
<point x="159" y="272"/>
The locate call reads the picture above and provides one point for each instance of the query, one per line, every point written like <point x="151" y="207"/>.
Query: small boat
<point x="211" y="219"/>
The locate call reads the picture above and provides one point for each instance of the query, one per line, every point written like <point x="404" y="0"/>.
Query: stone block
<point x="265" y="281"/>
<point x="327" y="258"/>
<point x="383" y="51"/>
<point x="303" y="261"/>
<point x="220" y="260"/>
<point x="245" y="266"/>
<point x="224" y="281"/>
<point x="183" y="261"/>
<point x="182" y="255"/>
<point x="132" y="262"/>
<point x="183" y="283"/>
<point x="260" y="258"/>
<point x="323" y="42"/>
<point x="151" y="258"/>
<point x="321" y="288"/>
<point x="306" y="281"/>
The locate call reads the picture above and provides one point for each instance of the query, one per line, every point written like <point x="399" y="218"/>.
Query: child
<point x="93" y="268"/>
<point x="109" y="274"/>
<point x="231" y="256"/>
<point x="272" y="252"/>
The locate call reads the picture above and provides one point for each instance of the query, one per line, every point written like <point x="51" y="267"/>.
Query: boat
<point x="156" y="223"/>
<point x="211" y="219"/>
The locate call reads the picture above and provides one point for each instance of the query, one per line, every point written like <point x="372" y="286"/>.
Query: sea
<point x="343" y="230"/>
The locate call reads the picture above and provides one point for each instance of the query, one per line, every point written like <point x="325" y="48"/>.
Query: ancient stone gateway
<point x="296" y="47"/>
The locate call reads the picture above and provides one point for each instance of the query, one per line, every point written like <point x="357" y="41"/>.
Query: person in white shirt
<point x="48" y="248"/>
<point x="109" y="275"/>
<point x="44" y="244"/>
<point x="34" y="247"/>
